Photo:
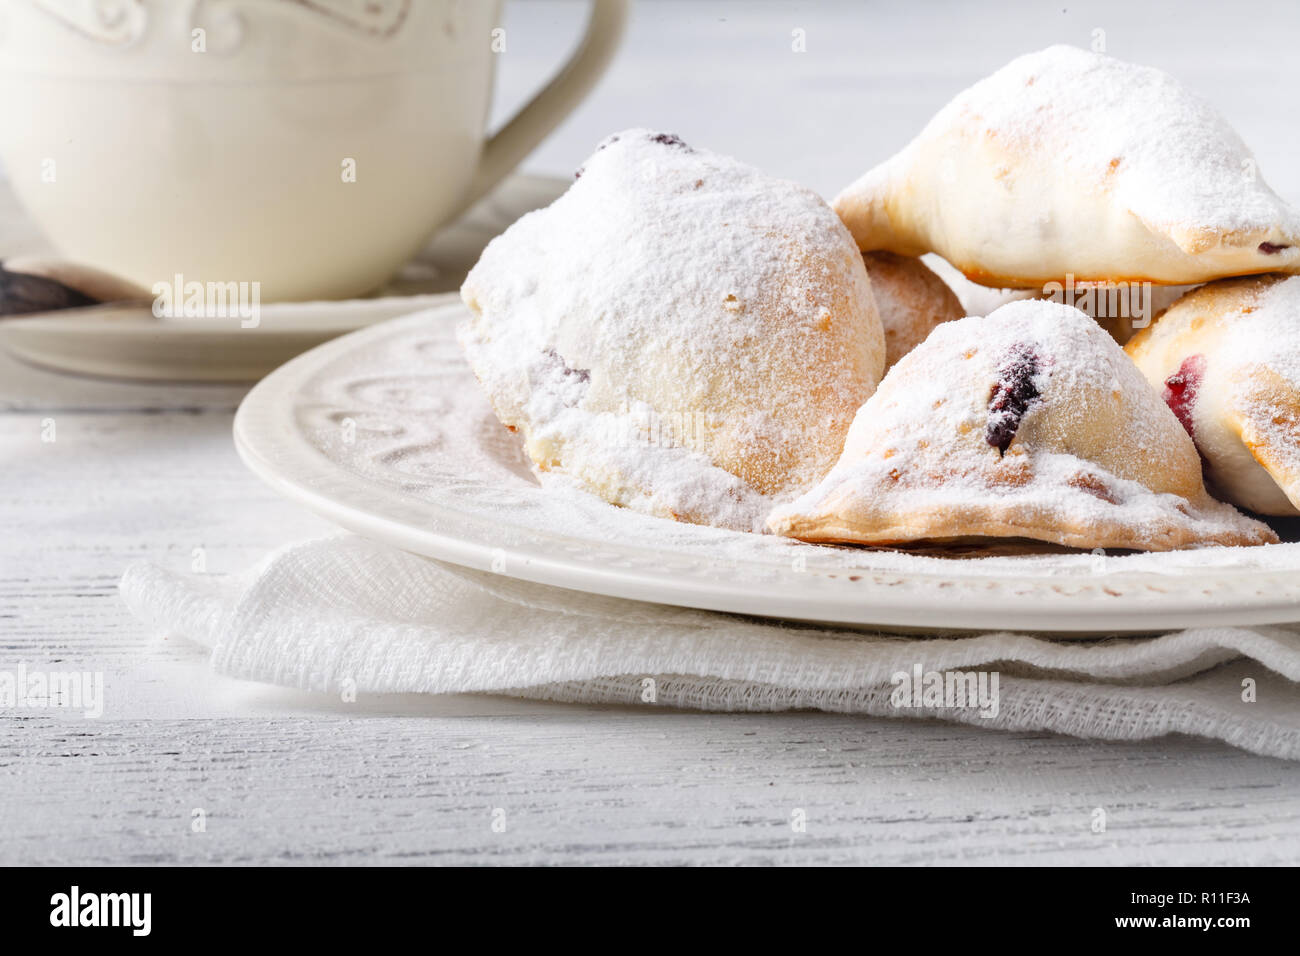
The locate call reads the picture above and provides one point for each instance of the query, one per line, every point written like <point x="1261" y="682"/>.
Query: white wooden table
<point x="149" y="472"/>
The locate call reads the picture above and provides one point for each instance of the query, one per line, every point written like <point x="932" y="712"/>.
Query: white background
<point x="723" y="75"/>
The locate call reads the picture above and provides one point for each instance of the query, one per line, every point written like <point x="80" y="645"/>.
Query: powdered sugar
<point x="678" y="333"/>
<point x="1028" y="423"/>
<point x="1071" y="166"/>
<point x="1269" y="333"/>
<point x="1226" y="359"/>
<point x="1163" y="151"/>
<point x="1257" y="364"/>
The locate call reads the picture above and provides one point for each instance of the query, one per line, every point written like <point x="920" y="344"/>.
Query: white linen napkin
<point x="345" y="614"/>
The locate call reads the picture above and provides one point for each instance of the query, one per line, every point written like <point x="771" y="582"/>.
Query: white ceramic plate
<point x="126" y="341"/>
<point x="385" y="432"/>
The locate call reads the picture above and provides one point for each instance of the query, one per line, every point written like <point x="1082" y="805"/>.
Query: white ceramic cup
<point x="311" y="146"/>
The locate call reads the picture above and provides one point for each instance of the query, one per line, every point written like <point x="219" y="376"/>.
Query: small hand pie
<point x="1072" y="163"/>
<point x="1030" y="423"/>
<point x="678" y="333"/>
<point x="911" y="301"/>
<point x="1227" y="359"/>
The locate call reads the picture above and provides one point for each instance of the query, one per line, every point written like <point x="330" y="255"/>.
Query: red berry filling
<point x="1181" y="388"/>
<point x="1012" y="395"/>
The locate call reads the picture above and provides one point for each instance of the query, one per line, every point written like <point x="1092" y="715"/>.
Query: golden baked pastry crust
<point x="1227" y="356"/>
<point x="911" y="301"/>
<point x="1068" y="163"/>
<point x="678" y="333"/>
<point x="1029" y="423"/>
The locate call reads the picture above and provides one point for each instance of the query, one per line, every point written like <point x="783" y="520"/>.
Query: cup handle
<point x="509" y="145"/>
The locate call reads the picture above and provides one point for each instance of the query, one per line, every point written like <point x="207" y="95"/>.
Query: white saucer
<point x="385" y="432"/>
<point x="128" y="342"/>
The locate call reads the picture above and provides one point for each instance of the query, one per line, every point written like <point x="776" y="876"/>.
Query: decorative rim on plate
<point x="947" y="596"/>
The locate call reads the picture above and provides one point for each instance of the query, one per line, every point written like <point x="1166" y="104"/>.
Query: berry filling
<point x="1011" y="397"/>
<point x="666" y="139"/>
<point x="577" y="174"/>
<point x="669" y="139"/>
<point x="1271" y="249"/>
<point x="581" y="375"/>
<point x="1181" y="388"/>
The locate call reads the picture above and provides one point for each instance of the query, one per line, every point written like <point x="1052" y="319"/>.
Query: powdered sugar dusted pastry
<point x="1068" y="162"/>
<point x="678" y="333"/>
<point x="1226" y="357"/>
<point x="911" y="301"/>
<point x="1030" y="423"/>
